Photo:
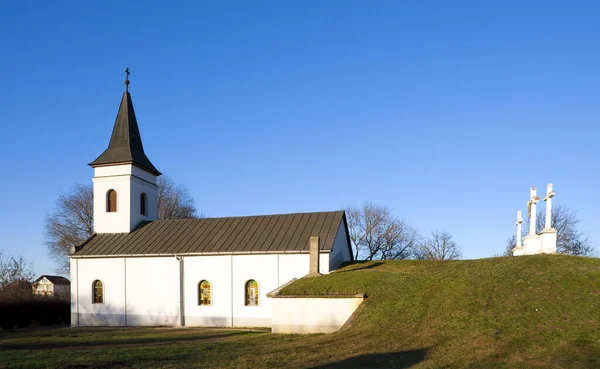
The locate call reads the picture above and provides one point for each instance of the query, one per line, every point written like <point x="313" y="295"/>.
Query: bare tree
<point x="400" y="239"/>
<point x="70" y="224"/>
<point x="14" y="271"/>
<point x="376" y="234"/>
<point x="570" y="239"/>
<point x="438" y="246"/>
<point x="174" y="201"/>
<point x="72" y="221"/>
<point x="511" y="243"/>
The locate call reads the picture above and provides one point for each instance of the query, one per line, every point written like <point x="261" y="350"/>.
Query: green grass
<point x="523" y="312"/>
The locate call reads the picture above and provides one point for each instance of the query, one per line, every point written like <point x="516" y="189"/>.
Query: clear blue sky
<point x="447" y="112"/>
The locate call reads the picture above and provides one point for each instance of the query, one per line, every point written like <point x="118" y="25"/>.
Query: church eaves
<point x="125" y="146"/>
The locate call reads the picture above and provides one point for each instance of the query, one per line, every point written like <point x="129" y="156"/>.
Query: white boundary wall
<point x="312" y="315"/>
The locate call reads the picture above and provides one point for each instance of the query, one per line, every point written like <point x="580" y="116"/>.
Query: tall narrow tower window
<point x="143" y="204"/>
<point x="111" y="201"/>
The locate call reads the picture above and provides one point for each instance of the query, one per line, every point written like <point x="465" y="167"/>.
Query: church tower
<point x="125" y="190"/>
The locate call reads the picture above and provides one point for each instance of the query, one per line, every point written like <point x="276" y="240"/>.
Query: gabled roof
<point x="55" y="279"/>
<point x="125" y="146"/>
<point x="250" y="234"/>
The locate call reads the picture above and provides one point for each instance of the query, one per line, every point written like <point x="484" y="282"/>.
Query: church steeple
<point x="125" y="146"/>
<point x="125" y="189"/>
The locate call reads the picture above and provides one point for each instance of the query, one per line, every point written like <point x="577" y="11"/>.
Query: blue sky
<point x="447" y="112"/>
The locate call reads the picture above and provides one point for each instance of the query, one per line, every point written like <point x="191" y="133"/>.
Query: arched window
<point x="98" y="292"/>
<point x="204" y="293"/>
<point x="143" y="200"/>
<point x="252" y="293"/>
<point x="111" y="201"/>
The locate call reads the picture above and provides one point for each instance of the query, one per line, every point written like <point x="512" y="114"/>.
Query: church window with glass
<point x="98" y="292"/>
<point x="204" y="293"/>
<point x="252" y="293"/>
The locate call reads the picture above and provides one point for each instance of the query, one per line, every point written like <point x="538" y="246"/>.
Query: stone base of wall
<point x="119" y="320"/>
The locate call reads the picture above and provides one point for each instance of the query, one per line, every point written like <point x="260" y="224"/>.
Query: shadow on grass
<point x="120" y="343"/>
<point x="358" y="266"/>
<point x="396" y="360"/>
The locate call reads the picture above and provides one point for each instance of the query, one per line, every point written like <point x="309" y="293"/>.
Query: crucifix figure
<point x="549" y="195"/>
<point x="127" y="73"/>
<point x="532" y="209"/>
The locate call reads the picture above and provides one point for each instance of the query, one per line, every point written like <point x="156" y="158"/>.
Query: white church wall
<point x="129" y="182"/>
<point x="153" y="291"/>
<point x="263" y="269"/>
<point x="111" y="222"/>
<point x="138" y="187"/>
<point x="74" y="293"/>
<point x="292" y="266"/>
<point x="217" y="270"/>
<point x="111" y="271"/>
<point x="152" y="286"/>
<point x="141" y="173"/>
<point x="339" y="252"/>
<point x="113" y="170"/>
<point x="324" y="263"/>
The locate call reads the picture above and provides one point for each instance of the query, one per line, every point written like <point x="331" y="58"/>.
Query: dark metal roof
<point x="251" y="234"/>
<point x="125" y="145"/>
<point x="55" y="279"/>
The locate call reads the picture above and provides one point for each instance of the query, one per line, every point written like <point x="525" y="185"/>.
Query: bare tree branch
<point x="511" y="243"/>
<point x="376" y="234"/>
<point x="439" y="246"/>
<point x="70" y="224"/>
<point x="14" y="270"/>
<point x="174" y="201"/>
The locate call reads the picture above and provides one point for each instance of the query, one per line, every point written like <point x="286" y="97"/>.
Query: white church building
<point x="136" y="270"/>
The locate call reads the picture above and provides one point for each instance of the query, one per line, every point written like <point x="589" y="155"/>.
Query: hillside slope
<point x="530" y="311"/>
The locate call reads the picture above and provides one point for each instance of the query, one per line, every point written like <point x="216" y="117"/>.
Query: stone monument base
<point x="532" y="245"/>
<point x="548" y="237"/>
<point x="543" y="243"/>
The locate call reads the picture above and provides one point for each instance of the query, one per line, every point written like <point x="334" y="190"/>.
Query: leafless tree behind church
<point x="375" y="233"/>
<point x="440" y="245"/>
<point x="72" y="221"/>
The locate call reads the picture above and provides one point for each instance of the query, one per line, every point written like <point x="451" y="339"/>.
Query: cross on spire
<point x="127" y="73"/>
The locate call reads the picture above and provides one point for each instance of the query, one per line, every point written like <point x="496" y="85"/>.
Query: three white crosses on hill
<point x="534" y="243"/>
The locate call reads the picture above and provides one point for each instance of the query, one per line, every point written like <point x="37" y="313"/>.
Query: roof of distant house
<point x="55" y="279"/>
<point x="278" y="233"/>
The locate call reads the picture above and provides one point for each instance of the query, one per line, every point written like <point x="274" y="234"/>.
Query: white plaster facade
<point x="129" y="181"/>
<point x="146" y="291"/>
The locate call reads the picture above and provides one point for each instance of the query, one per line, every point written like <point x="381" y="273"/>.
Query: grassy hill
<point x="523" y="312"/>
<point x="532" y="311"/>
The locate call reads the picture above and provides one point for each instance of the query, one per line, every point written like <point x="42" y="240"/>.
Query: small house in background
<point x="51" y="285"/>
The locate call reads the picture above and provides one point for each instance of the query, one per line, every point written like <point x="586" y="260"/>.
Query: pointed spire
<point x="125" y="146"/>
